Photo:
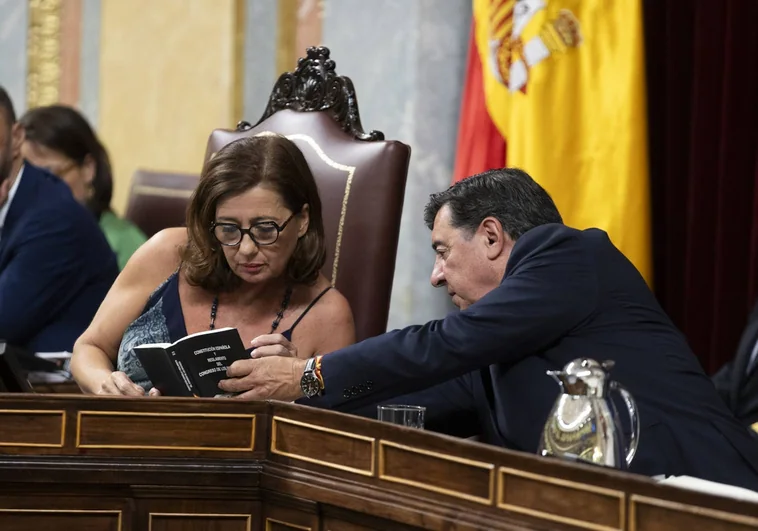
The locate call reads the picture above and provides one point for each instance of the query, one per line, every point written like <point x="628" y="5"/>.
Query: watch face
<point x="309" y="384"/>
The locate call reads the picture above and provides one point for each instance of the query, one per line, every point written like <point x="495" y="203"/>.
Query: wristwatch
<point x="311" y="384"/>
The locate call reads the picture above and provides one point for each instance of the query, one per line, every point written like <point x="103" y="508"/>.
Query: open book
<point x="195" y="364"/>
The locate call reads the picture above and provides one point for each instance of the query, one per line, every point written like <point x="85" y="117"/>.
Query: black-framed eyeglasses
<point x="263" y="233"/>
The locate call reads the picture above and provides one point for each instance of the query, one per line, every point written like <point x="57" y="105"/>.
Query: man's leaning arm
<point x="550" y="290"/>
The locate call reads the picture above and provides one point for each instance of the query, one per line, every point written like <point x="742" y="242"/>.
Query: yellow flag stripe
<point x="575" y="118"/>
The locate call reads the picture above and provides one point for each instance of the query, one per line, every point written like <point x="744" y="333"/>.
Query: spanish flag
<point x="563" y="82"/>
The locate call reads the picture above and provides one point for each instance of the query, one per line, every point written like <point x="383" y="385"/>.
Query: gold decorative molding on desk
<point x="554" y="499"/>
<point x="271" y="523"/>
<point x="74" y="514"/>
<point x="471" y="480"/>
<point x="206" y="432"/>
<point x="185" y="519"/>
<point x="287" y="438"/>
<point x="42" y="428"/>
<point x="43" y="53"/>
<point x="647" y="513"/>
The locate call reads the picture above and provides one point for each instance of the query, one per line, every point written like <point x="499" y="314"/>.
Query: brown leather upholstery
<point x="158" y="200"/>
<point x="361" y="182"/>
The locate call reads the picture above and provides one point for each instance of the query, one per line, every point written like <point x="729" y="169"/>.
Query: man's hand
<point x="271" y="377"/>
<point x="272" y="345"/>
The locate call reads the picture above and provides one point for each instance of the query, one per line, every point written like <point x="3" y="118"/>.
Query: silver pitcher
<point x="583" y="424"/>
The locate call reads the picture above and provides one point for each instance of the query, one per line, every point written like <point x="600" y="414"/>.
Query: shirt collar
<point x="11" y="194"/>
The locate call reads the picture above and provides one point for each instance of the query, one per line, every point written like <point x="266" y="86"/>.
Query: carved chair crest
<point x="315" y="86"/>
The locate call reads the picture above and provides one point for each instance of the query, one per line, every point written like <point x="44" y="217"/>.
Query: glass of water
<point x="411" y="416"/>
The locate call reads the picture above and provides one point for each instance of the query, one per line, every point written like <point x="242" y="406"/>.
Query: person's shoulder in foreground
<point x="61" y="265"/>
<point x="55" y="265"/>
<point x="51" y="199"/>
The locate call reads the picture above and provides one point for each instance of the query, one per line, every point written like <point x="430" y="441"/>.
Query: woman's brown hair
<point x="269" y="159"/>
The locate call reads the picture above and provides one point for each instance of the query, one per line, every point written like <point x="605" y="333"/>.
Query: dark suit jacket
<point x="566" y="294"/>
<point x="55" y="265"/>
<point x="737" y="386"/>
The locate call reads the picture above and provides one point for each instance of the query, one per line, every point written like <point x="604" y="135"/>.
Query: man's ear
<point x="18" y="135"/>
<point x="305" y="218"/>
<point x="495" y="238"/>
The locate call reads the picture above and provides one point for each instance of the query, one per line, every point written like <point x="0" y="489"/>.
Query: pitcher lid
<point x="592" y="373"/>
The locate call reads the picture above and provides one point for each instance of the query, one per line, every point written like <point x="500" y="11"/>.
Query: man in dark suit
<point x="737" y="380"/>
<point x="55" y="264"/>
<point x="534" y="295"/>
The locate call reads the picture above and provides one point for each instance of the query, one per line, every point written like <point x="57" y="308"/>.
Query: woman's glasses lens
<point x="230" y="234"/>
<point x="227" y="234"/>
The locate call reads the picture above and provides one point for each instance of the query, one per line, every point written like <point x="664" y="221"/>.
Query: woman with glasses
<point x="60" y="140"/>
<point x="250" y="258"/>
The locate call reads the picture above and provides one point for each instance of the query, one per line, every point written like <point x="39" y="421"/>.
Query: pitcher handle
<point x="631" y="405"/>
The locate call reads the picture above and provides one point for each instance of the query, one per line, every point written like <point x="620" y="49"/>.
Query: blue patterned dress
<point x="162" y="321"/>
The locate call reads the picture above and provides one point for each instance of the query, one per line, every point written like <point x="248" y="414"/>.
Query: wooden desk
<point x="56" y="388"/>
<point x="93" y="463"/>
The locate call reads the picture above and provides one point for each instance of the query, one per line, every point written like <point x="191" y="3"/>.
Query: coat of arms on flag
<point x="519" y="40"/>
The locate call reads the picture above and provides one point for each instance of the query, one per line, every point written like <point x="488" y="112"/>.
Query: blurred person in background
<point x="55" y="264"/>
<point x="61" y="140"/>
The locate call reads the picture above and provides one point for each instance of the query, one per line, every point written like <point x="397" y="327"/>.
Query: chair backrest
<point x="360" y="176"/>
<point x="158" y="200"/>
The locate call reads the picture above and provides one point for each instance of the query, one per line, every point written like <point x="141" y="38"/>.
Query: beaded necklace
<point x="277" y="319"/>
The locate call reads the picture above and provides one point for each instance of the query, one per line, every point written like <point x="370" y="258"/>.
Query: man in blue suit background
<point x="55" y="264"/>
<point x="534" y="295"/>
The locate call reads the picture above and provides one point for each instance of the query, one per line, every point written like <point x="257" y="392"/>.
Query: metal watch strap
<point x="309" y="383"/>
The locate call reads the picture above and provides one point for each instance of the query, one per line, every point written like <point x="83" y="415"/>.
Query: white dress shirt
<point x="11" y="194"/>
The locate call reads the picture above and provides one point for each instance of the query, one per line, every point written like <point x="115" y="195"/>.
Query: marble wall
<point x="89" y="67"/>
<point x="260" y="56"/>
<point x="13" y="27"/>
<point x="407" y="60"/>
<point x="165" y="85"/>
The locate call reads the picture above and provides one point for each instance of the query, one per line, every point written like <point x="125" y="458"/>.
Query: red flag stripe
<point x="480" y="146"/>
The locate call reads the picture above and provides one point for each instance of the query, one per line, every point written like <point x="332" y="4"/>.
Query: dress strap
<point x="158" y="292"/>
<point x="307" y="309"/>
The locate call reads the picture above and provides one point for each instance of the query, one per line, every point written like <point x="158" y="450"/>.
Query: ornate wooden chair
<point x="361" y="179"/>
